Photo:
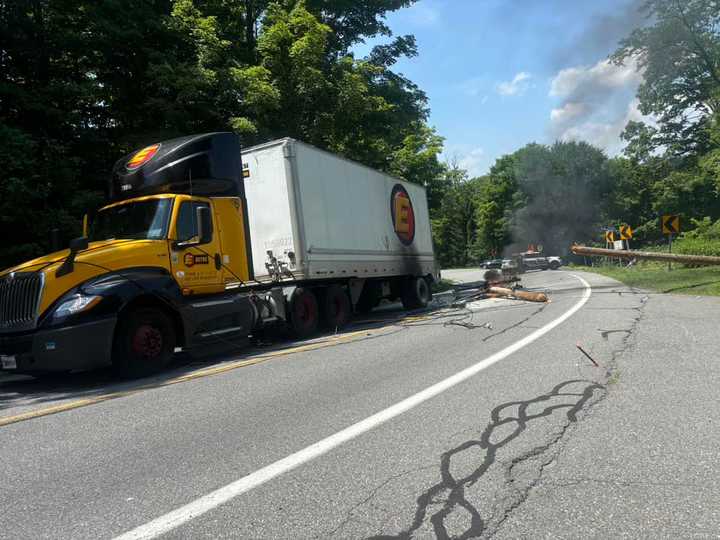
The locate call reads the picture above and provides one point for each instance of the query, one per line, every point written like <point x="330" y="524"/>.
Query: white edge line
<point x="220" y="496"/>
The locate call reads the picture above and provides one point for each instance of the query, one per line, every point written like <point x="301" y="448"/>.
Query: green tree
<point x="84" y="82"/>
<point x="454" y="228"/>
<point x="495" y="205"/>
<point x="630" y="199"/>
<point x="679" y="56"/>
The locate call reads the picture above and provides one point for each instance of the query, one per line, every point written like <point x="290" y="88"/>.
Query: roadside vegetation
<point x="654" y="276"/>
<point x="704" y="239"/>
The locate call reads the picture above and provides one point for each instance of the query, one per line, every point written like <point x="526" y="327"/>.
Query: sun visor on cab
<point x="207" y="165"/>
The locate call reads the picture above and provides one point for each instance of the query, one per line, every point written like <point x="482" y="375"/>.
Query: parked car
<point x="532" y="260"/>
<point x="493" y="263"/>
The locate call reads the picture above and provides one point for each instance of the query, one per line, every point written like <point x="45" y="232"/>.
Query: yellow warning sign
<point x="626" y="232"/>
<point x="671" y="224"/>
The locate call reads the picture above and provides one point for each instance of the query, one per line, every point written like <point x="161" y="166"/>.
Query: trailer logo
<point x="141" y="157"/>
<point x="191" y="260"/>
<point x="403" y="216"/>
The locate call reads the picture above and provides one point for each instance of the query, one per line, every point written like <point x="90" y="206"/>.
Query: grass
<point x="654" y="276"/>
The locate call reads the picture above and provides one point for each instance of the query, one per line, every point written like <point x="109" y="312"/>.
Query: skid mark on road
<point x="214" y="499"/>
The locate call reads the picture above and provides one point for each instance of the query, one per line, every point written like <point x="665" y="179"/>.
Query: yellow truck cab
<point x="136" y="285"/>
<point x="168" y="264"/>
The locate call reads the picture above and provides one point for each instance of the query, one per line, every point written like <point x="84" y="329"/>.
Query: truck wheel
<point x="554" y="265"/>
<point x="336" y="308"/>
<point x="416" y="293"/>
<point x="369" y="297"/>
<point x="144" y="342"/>
<point x="304" y="312"/>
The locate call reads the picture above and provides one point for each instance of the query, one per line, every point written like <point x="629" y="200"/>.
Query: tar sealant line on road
<point x="212" y="500"/>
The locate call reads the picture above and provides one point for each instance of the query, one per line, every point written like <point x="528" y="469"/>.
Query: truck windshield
<point x="136" y="220"/>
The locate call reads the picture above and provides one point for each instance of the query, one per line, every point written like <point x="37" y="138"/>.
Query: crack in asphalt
<point x="348" y="518"/>
<point x="517" y="324"/>
<point x="450" y="492"/>
<point x="571" y="482"/>
<point x="611" y="367"/>
<point x="606" y="333"/>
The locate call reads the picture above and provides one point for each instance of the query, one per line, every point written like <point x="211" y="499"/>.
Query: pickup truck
<point x="532" y="260"/>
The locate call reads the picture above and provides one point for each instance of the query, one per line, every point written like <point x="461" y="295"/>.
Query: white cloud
<point x="596" y="103"/>
<point x="567" y="112"/>
<point x="474" y="162"/>
<point x="516" y="87"/>
<point x="603" y="75"/>
<point x="606" y="135"/>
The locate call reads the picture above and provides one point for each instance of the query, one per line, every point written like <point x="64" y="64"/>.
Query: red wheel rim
<point x="147" y="342"/>
<point x="305" y="311"/>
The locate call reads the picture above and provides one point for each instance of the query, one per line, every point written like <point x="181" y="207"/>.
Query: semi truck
<point x="202" y="241"/>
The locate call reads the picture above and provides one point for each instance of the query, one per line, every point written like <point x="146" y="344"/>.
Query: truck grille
<point x="19" y="300"/>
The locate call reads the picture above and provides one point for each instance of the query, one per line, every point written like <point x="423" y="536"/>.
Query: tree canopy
<point x="679" y="56"/>
<point x="84" y="82"/>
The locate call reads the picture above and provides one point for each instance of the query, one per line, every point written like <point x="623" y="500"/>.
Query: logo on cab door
<point x="403" y="216"/>
<point x="191" y="260"/>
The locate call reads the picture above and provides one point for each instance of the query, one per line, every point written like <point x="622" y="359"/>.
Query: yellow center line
<point x="202" y="373"/>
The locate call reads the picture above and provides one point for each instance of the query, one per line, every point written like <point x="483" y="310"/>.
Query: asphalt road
<point x="531" y="439"/>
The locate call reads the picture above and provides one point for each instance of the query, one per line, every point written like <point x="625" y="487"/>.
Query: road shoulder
<point x="643" y="463"/>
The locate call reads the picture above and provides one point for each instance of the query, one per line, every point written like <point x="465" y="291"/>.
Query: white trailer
<point x="316" y="218"/>
<point x="320" y="216"/>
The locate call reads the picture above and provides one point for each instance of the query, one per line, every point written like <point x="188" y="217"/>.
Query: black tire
<point x="336" y="309"/>
<point x="369" y="297"/>
<point x="554" y="265"/>
<point x="144" y="342"/>
<point x="304" y="312"/>
<point x="416" y="293"/>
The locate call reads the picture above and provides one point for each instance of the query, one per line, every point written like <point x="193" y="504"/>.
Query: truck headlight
<point x="75" y="304"/>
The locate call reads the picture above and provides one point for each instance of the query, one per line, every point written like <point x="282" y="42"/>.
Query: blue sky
<point x="500" y="74"/>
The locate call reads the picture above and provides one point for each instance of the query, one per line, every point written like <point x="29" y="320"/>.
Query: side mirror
<point x="68" y="265"/>
<point x="78" y="244"/>
<point x="204" y="224"/>
<point x="85" y="225"/>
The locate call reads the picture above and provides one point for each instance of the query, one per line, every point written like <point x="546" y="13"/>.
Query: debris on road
<point x="518" y="294"/>
<point x="490" y="288"/>
<point x="586" y="354"/>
